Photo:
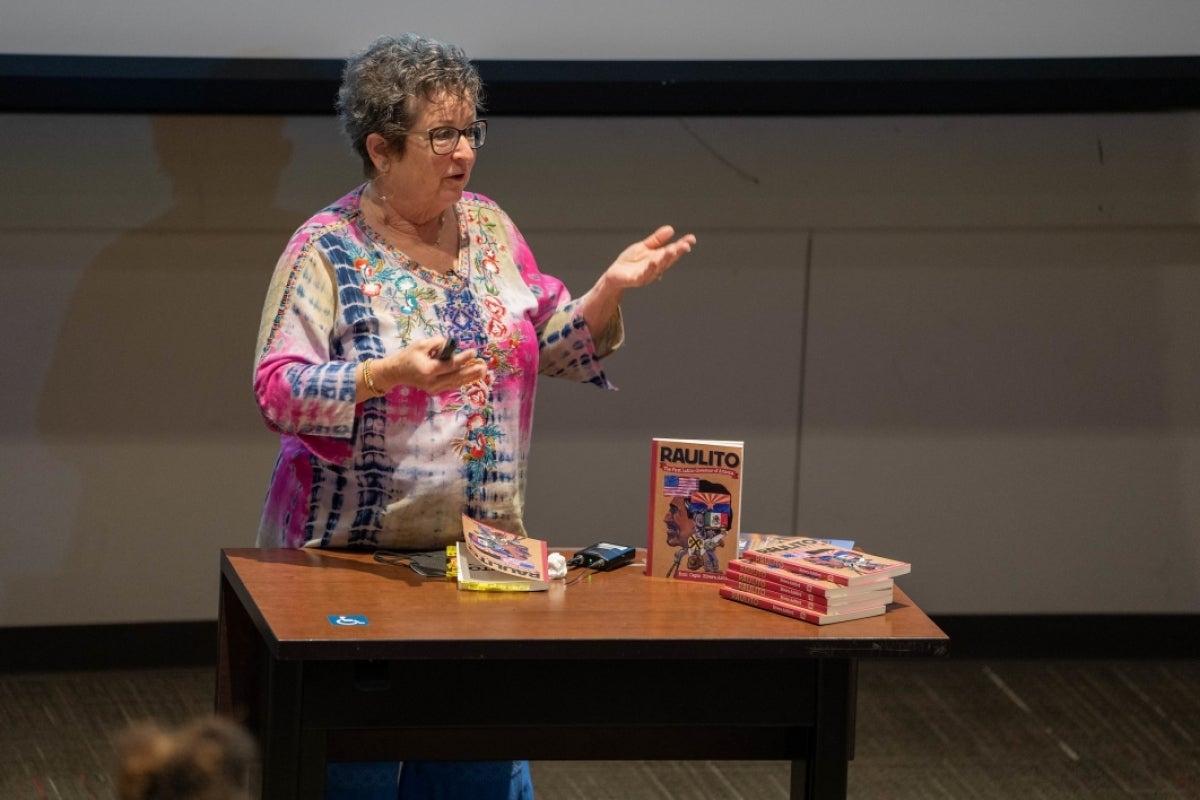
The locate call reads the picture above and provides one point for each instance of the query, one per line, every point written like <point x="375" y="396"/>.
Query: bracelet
<point x="370" y="381"/>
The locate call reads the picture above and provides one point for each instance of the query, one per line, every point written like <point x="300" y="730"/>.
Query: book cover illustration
<point x="695" y="508"/>
<point x="836" y="564"/>
<point x="755" y="541"/>
<point x="491" y="559"/>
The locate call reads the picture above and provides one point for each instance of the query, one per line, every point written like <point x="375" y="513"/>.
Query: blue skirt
<point x="429" y="780"/>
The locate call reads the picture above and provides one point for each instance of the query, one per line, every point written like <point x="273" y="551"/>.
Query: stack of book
<point x="812" y="580"/>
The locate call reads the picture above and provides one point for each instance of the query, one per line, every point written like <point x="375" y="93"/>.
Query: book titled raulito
<point x="695" y="508"/>
<point x="839" y="565"/>
<point x="492" y="560"/>
<point x="744" y="571"/>
<point x="789" y="594"/>
<point x="799" y="612"/>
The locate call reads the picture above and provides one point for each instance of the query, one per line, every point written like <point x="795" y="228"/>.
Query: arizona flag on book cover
<point x="695" y="508"/>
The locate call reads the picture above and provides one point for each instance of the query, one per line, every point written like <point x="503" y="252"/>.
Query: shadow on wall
<point x="157" y="342"/>
<point x="148" y="395"/>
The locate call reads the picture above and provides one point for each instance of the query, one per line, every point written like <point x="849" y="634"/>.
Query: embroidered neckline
<point x="455" y="279"/>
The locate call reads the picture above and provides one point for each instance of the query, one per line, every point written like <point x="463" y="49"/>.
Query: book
<point x="835" y="564"/>
<point x="695" y="508"/>
<point x="753" y="541"/>
<point x="788" y="594"/>
<point x="748" y="571"/>
<point x="798" y="612"/>
<point x="492" y="560"/>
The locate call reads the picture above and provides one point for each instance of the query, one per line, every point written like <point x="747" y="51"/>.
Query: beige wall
<point x="994" y="373"/>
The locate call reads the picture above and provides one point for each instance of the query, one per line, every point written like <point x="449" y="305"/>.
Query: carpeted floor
<point x="939" y="729"/>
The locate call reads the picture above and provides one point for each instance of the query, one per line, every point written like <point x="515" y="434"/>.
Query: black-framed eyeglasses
<point x="444" y="140"/>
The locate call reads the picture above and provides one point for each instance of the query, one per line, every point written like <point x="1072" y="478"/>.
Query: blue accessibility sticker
<point x="347" y="620"/>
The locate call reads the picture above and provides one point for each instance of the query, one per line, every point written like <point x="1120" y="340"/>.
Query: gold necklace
<point x="382" y="200"/>
<point x="437" y="241"/>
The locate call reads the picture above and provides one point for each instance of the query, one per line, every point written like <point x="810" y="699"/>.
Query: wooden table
<point x="619" y="666"/>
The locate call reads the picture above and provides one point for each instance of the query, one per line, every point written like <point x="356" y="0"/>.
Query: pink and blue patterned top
<point x="399" y="471"/>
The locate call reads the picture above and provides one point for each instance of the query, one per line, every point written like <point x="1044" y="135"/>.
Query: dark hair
<point x="209" y="759"/>
<point x="383" y="86"/>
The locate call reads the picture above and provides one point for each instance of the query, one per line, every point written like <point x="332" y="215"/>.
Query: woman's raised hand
<point x="645" y="261"/>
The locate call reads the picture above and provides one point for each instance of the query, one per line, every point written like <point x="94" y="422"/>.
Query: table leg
<point x="822" y="774"/>
<point x="238" y="644"/>
<point x="314" y="761"/>
<point x="280" y="733"/>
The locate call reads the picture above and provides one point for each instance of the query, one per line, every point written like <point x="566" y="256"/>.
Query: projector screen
<point x="611" y="29"/>
<point x="630" y="57"/>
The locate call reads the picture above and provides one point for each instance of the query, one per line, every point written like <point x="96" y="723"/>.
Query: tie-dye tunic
<point x="400" y="470"/>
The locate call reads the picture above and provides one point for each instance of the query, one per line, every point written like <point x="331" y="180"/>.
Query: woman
<point x="383" y="444"/>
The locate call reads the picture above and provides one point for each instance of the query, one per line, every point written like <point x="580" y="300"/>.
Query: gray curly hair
<point x="384" y="85"/>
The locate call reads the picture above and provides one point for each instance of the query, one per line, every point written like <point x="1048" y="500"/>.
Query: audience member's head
<point x="208" y="759"/>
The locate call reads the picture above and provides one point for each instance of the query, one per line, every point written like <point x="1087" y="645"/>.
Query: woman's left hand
<point x="645" y="261"/>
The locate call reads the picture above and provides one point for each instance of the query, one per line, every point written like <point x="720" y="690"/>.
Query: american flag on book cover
<point x="679" y="485"/>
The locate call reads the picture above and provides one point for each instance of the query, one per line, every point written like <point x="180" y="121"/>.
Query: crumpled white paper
<point x="558" y="565"/>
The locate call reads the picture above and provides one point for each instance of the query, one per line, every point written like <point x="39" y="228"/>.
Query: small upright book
<point x="819" y="559"/>
<point x="492" y="560"/>
<point x="695" y="508"/>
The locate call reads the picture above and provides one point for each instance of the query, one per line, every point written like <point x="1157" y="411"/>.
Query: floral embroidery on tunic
<point x="400" y="470"/>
